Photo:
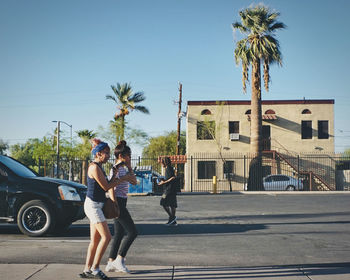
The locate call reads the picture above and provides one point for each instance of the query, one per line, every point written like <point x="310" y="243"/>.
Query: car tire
<point x="290" y="188"/>
<point x="35" y="218"/>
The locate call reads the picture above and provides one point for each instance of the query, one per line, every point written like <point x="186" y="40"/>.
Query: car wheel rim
<point x="34" y="219"/>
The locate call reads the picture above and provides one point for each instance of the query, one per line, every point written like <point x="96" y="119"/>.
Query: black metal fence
<point x="322" y="172"/>
<point x="276" y="172"/>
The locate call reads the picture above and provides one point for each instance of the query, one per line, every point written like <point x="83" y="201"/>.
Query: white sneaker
<point x="110" y="267"/>
<point x="119" y="265"/>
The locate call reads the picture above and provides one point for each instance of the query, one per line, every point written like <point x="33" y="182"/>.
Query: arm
<point x="95" y="172"/>
<point x="111" y="194"/>
<point x="167" y="181"/>
<point x="130" y="177"/>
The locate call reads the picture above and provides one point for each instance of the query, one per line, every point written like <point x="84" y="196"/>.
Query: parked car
<point x="281" y="182"/>
<point x="37" y="204"/>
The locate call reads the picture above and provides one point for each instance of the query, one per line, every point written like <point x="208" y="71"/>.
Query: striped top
<point x="122" y="189"/>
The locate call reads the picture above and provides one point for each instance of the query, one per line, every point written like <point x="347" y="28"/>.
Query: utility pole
<point x="58" y="150"/>
<point x="179" y="114"/>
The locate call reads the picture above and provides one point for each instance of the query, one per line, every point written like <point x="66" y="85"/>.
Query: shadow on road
<point x="328" y="270"/>
<point x="83" y="230"/>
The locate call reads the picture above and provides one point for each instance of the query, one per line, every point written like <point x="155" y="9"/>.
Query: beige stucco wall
<point x="285" y="137"/>
<point x="285" y="131"/>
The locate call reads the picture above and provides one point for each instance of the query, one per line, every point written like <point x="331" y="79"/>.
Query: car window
<point x="279" y="178"/>
<point x="284" y="178"/>
<point x="16" y="167"/>
<point x="268" y="179"/>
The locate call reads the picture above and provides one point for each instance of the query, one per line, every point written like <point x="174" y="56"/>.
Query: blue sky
<point x="58" y="60"/>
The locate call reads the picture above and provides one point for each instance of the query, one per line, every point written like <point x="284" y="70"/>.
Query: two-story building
<point x="218" y="140"/>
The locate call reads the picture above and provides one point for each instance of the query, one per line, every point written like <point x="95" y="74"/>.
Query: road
<point x="216" y="230"/>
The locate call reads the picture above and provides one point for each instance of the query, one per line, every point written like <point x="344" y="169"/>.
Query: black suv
<point x="38" y="205"/>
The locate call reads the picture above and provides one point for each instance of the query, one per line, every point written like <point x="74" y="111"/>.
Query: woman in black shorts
<point x="168" y="200"/>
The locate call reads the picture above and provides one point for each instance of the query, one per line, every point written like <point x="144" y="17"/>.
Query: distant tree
<point x="133" y="136"/>
<point x="24" y="152"/>
<point x="3" y="147"/>
<point x="164" y="145"/>
<point x="126" y="101"/>
<point x="44" y="152"/>
<point x="347" y="153"/>
<point x="85" y="150"/>
<point x="260" y="46"/>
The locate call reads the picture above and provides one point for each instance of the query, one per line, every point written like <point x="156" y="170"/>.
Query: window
<point x="280" y="178"/>
<point x="248" y="112"/>
<point x="233" y="127"/>
<point x="206" y="112"/>
<point x="306" y="129"/>
<point x="323" y="130"/>
<point x="206" y="169"/>
<point x="270" y="111"/>
<point x="229" y="169"/>
<point x="306" y="111"/>
<point x="206" y="130"/>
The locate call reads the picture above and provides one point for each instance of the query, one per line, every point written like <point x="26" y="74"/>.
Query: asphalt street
<point x="236" y="230"/>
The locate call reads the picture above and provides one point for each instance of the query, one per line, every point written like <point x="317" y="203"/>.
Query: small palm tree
<point x="85" y="150"/>
<point x="259" y="47"/>
<point x="126" y="101"/>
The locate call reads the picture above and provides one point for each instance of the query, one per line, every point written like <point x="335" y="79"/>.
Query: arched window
<point x="206" y="112"/>
<point x="248" y="112"/>
<point x="306" y="111"/>
<point x="269" y="111"/>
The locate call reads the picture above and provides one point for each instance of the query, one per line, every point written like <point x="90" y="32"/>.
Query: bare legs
<point x="99" y="239"/>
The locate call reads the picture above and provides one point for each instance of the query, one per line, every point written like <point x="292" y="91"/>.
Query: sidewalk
<point x="71" y="271"/>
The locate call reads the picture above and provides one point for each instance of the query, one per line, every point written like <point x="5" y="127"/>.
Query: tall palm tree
<point x="85" y="150"/>
<point x="126" y="101"/>
<point x="259" y="47"/>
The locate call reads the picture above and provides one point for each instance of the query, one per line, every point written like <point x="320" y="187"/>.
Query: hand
<point x="114" y="172"/>
<point x="128" y="162"/>
<point x="126" y="178"/>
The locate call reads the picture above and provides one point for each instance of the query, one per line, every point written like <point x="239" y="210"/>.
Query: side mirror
<point x="3" y="176"/>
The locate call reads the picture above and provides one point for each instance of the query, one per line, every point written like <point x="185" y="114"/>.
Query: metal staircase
<point x="318" y="170"/>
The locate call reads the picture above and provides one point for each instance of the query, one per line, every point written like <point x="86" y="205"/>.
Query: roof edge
<point x="264" y="102"/>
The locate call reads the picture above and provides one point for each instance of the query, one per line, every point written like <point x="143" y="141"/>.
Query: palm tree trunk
<point x="84" y="171"/>
<point x="123" y="128"/>
<point x="255" y="168"/>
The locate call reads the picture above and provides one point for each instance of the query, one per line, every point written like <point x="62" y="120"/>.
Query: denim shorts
<point x="93" y="211"/>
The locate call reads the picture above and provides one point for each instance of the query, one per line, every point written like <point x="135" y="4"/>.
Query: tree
<point x="44" y="150"/>
<point x="24" y="152"/>
<point x="3" y="147"/>
<point x="259" y="47"/>
<point x="164" y="145"/>
<point x="85" y="150"/>
<point x="133" y="136"/>
<point x="126" y="101"/>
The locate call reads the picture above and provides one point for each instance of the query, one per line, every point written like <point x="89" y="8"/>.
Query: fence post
<point x="299" y="172"/>
<point x="39" y="167"/>
<point x="191" y="174"/>
<point x="245" y="175"/>
<point x="214" y="184"/>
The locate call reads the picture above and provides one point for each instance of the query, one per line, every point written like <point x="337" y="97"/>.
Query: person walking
<point x="97" y="185"/>
<point x="168" y="200"/>
<point x="124" y="228"/>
